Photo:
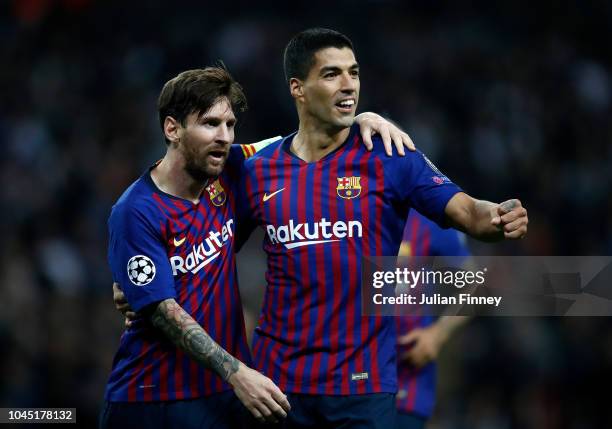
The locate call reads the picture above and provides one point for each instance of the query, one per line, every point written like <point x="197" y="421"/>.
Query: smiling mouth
<point x="345" y="105"/>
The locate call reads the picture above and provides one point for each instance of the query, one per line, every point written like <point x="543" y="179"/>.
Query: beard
<point x="198" y="166"/>
<point x="199" y="173"/>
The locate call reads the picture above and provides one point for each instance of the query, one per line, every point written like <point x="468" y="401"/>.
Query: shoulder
<point x="136" y="203"/>
<point x="378" y="150"/>
<point x="412" y="163"/>
<point x="271" y="151"/>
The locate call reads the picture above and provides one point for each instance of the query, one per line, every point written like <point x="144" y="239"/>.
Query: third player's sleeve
<point x="453" y="243"/>
<point x="417" y="181"/>
<point x="138" y="259"/>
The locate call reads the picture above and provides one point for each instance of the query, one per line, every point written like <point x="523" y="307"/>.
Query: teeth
<point x="346" y="103"/>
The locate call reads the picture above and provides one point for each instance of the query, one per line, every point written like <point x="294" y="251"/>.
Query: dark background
<point x="511" y="99"/>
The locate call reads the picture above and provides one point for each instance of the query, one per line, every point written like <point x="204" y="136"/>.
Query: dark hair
<point x="299" y="52"/>
<point x="196" y="91"/>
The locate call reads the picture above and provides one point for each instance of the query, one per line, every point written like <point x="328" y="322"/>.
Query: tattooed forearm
<point x="187" y="334"/>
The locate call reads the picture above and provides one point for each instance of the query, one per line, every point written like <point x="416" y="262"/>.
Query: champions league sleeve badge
<point x="141" y="270"/>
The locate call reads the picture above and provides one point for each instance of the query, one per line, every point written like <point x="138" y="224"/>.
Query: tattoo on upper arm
<point x="187" y="334"/>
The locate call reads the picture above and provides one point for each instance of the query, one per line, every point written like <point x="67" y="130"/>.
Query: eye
<point x="355" y="73"/>
<point x="329" y="75"/>
<point x="209" y="122"/>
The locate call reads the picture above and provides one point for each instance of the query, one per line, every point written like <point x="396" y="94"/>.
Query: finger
<point x="408" y="142"/>
<point x="122" y="305"/>
<point x="509" y="217"/>
<point x="131" y="315"/>
<point x="366" y="134"/>
<point x="386" y="138"/>
<point x="255" y="412"/>
<point x="516" y="224"/>
<point x="399" y="143"/>
<point x="408" y="338"/>
<point x="276" y="409"/>
<point x="517" y="213"/>
<point x="119" y="298"/>
<point x="116" y="287"/>
<point x="127" y="322"/>
<point x="517" y="233"/>
<point x="267" y="414"/>
<point x="508" y="206"/>
<point x="281" y="399"/>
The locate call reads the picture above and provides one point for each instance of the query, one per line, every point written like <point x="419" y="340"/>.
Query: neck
<point x="313" y="142"/>
<point x="170" y="177"/>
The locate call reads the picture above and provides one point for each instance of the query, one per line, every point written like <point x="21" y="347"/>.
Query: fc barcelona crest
<point x="349" y="187"/>
<point x="217" y="193"/>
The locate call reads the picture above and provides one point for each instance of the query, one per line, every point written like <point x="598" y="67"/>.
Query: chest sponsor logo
<point x="204" y="252"/>
<point x="306" y="234"/>
<point x="349" y="187"/>
<point x="217" y="193"/>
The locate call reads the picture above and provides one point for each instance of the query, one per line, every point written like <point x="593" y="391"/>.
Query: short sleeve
<point x="417" y="181"/>
<point x="138" y="258"/>
<point x="245" y="222"/>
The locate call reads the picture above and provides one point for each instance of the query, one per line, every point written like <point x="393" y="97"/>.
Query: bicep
<point x="418" y="182"/>
<point x="140" y="264"/>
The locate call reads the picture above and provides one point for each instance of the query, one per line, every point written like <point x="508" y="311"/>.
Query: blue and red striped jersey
<point x="319" y="219"/>
<point x="417" y="387"/>
<point x="164" y="247"/>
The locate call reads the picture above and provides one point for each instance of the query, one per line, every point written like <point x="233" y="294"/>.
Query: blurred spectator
<point x="511" y="99"/>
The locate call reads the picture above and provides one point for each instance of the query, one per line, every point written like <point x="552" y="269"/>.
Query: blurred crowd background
<point x="511" y="99"/>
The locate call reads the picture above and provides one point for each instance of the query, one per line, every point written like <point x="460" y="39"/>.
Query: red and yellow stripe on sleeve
<point x="248" y="150"/>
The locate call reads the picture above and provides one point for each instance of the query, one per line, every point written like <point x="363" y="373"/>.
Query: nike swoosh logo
<point x="266" y="197"/>
<point x="179" y="242"/>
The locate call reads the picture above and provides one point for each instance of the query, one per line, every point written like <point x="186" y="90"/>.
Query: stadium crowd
<point x="509" y="99"/>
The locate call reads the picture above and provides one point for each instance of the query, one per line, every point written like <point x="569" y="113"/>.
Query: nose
<point x="348" y="83"/>
<point x="224" y="134"/>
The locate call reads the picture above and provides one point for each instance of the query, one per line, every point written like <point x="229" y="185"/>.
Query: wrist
<point x="440" y="335"/>
<point x="236" y="377"/>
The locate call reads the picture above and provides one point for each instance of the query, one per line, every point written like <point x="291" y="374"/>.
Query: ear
<point x="172" y="130"/>
<point x="296" y="87"/>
